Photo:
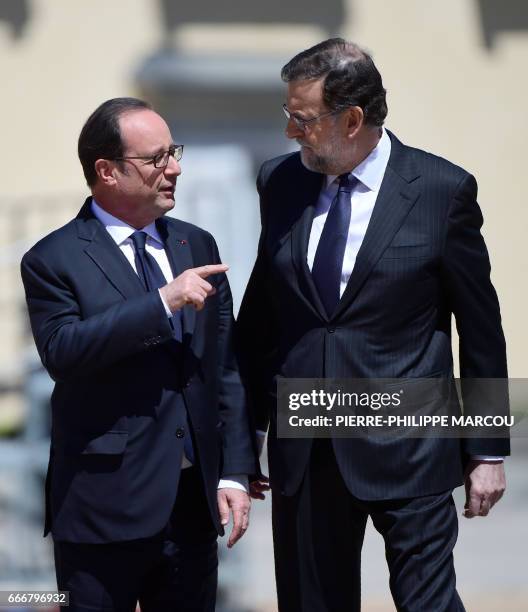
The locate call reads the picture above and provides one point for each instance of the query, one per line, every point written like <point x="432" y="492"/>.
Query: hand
<point x="485" y="483"/>
<point x="190" y="287"/>
<point x="239" y="502"/>
<point x="257" y="488"/>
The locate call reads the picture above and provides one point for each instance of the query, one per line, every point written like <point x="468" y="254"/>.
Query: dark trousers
<point x="318" y="534"/>
<point x="175" y="570"/>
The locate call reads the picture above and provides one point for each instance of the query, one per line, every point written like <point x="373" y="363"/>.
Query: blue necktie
<point x="152" y="277"/>
<point x="150" y="273"/>
<point x="328" y="261"/>
<point x="147" y="267"/>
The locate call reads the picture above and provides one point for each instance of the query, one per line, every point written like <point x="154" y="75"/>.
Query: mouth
<point x="168" y="191"/>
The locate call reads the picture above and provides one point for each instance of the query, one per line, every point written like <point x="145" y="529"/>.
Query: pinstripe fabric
<point x="422" y="260"/>
<point x="317" y="545"/>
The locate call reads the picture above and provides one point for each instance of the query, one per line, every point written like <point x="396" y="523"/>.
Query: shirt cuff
<point x="234" y="481"/>
<point x="165" y="305"/>
<point x="486" y="458"/>
<point x="261" y="438"/>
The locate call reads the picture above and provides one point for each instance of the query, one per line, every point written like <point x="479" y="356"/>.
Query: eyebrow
<point x="160" y="149"/>
<point x="298" y="114"/>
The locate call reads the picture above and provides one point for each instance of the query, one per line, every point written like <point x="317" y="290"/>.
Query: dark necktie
<point x="152" y="277"/>
<point x="328" y="261"/>
<point x="150" y="273"/>
<point x="147" y="267"/>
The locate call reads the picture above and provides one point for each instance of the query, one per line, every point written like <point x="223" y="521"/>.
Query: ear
<point x="355" y="119"/>
<point x="105" y="171"/>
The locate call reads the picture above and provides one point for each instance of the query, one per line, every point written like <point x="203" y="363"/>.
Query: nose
<point x="173" y="167"/>
<point x="293" y="130"/>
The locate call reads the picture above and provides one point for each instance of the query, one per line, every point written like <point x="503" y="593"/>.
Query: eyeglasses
<point x="160" y="160"/>
<point x="302" y="124"/>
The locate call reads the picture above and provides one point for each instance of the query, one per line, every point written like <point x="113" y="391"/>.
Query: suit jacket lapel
<point x="396" y="198"/>
<point x="180" y="259"/>
<point x="105" y="253"/>
<point x="308" y="188"/>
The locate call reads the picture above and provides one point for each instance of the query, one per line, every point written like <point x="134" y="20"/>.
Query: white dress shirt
<point x="369" y="173"/>
<point x="121" y="233"/>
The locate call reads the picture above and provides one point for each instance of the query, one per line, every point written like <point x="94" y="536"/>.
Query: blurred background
<point x="455" y="72"/>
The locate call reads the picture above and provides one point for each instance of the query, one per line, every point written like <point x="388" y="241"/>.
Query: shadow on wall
<point x="498" y="16"/>
<point x="329" y="15"/>
<point x="16" y="14"/>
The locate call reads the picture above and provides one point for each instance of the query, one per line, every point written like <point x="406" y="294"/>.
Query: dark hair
<point x="100" y="137"/>
<point x="351" y="77"/>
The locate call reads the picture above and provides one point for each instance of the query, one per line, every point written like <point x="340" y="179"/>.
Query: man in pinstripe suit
<point x="412" y="257"/>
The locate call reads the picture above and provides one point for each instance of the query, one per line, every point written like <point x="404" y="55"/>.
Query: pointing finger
<point x="205" y="271"/>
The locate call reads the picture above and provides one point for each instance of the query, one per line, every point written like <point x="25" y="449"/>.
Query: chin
<point x="313" y="162"/>
<point x="166" y="203"/>
<point x="306" y="158"/>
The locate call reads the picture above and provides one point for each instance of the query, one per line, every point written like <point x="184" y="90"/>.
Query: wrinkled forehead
<point x="144" y="131"/>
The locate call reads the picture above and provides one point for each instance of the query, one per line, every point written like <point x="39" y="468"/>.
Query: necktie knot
<point x="139" y="239"/>
<point x="347" y="182"/>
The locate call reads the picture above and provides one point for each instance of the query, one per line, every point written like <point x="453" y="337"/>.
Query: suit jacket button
<point x="180" y="432"/>
<point x="330" y="330"/>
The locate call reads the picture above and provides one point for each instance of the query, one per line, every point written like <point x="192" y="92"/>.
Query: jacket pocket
<point x="110" y="443"/>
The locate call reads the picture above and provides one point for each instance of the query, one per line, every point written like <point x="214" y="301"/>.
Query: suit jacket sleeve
<point x="257" y="328"/>
<point x="473" y="300"/>
<point x="239" y="454"/>
<point x="70" y="345"/>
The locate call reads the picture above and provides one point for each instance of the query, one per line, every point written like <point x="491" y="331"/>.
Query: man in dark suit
<point x="132" y="316"/>
<point x="368" y="248"/>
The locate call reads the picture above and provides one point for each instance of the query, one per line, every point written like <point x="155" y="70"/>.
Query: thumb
<point x="223" y="508"/>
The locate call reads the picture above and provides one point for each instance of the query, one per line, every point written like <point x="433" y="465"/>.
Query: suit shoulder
<point x="437" y="167"/>
<point x="280" y="167"/>
<point x="56" y="241"/>
<point x="189" y="229"/>
<point x="438" y="178"/>
<point x="275" y="162"/>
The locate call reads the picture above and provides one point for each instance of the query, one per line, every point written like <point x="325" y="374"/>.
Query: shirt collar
<point x="118" y="229"/>
<point x="371" y="170"/>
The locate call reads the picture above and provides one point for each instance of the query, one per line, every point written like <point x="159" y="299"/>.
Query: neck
<point x="122" y="211"/>
<point x="366" y="141"/>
